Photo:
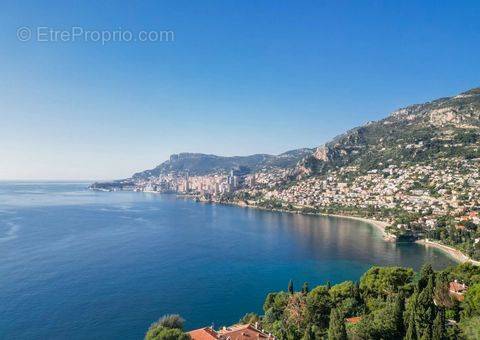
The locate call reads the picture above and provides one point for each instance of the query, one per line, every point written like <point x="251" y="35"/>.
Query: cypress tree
<point x="336" y="327"/>
<point x="425" y="274"/>
<point x="309" y="334"/>
<point x="438" y="332"/>
<point x="411" y="331"/>
<point x="426" y="309"/>
<point x="412" y="312"/>
<point x="290" y="287"/>
<point x="305" y="288"/>
<point x="398" y="314"/>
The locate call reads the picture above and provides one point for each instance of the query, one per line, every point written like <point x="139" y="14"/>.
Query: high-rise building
<point x="187" y="185"/>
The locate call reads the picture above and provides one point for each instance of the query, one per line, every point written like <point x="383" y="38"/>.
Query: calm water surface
<point x="78" y="264"/>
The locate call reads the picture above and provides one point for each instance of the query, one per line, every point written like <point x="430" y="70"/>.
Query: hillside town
<point x="414" y="199"/>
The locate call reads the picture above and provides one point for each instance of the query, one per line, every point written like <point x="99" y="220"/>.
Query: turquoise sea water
<point x="77" y="264"/>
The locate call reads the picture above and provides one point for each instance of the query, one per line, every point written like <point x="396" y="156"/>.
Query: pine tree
<point x="336" y="327"/>
<point x="329" y="285"/>
<point x="398" y="314"/>
<point x="290" y="287"/>
<point x="438" y="332"/>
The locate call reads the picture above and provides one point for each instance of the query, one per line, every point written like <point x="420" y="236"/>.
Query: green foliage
<point x="471" y="303"/>
<point x="438" y="332"/>
<point x="168" y="327"/>
<point x="391" y="305"/>
<point x="426" y="310"/>
<point x="171" y="321"/>
<point x="336" y="329"/>
<point x="290" y="287"/>
<point x="380" y="324"/>
<point x="466" y="272"/>
<point x="442" y="295"/>
<point x="274" y="306"/>
<point x="344" y="297"/>
<point x="250" y="318"/>
<point x="163" y="333"/>
<point x="305" y="288"/>
<point x="319" y="305"/>
<point x="471" y="328"/>
<point x="399" y="309"/>
<point x="379" y="283"/>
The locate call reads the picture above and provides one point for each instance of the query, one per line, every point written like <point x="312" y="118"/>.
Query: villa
<point x="235" y="332"/>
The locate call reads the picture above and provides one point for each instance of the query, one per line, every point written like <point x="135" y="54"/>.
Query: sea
<point x="81" y="264"/>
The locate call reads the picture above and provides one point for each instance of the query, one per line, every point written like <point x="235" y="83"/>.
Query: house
<point x="235" y="332"/>
<point x="457" y="290"/>
<point x="205" y="333"/>
<point x="353" y="320"/>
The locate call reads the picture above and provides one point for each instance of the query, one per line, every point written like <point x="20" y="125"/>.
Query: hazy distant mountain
<point x="201" y="164"/>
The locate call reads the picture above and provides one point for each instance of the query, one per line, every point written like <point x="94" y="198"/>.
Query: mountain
<point x="440" y="129"/>
<point x="202" y="164"/>
<point x="443" y="128"/>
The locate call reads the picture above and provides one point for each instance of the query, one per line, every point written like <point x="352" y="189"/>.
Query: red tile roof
<point x="205" y="333"/>
<point x="353" y="320"/>
<point x="243" y="332"/>
<point x="235" y="332"/>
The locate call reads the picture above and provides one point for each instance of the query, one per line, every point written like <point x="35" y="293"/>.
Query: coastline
<point x="379" y="225"/>
<point x="455" y="254"/>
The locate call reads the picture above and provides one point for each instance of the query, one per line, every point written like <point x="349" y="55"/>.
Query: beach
<point x="456" y="254"/>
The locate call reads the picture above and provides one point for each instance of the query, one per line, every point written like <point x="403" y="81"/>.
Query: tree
<point x="171" y="321"/>
<point x="336" y="328"/>
<point x="309" y="334"/>
<point x="274" y="306"/>
<point x="425" y="274"/>
<point x="398" y="314"/>
<point x="426" y="310"/>
<point x="163" y="333"/>
<point x="290" y="287"/>
<point x="318" y="306"/>
<point x="438" y="332"/>
<point x="442" y="296"/>
<point x="471" y="328"/>
<point x="168" y="327"/>
<point x="410" y="314"/>
<point x="411" y="330"/>
<point x="384" y="281"/>
<point x="471" y="303"/>
<point x="305" y="289"/>
<point x="250" y="318"/>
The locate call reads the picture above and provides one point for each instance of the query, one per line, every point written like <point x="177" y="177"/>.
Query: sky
<point x="237" y="78"/>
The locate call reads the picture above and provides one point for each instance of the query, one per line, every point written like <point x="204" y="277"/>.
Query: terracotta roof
<point x="243" y="332"/>
<point x="457" y="287"/>
<point x="205" y="333"/>
<point x="353" y="320"/>
<point x="456" y="290"/>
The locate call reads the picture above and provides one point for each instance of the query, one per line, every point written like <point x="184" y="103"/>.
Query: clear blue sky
<point x="242" y="77"/>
